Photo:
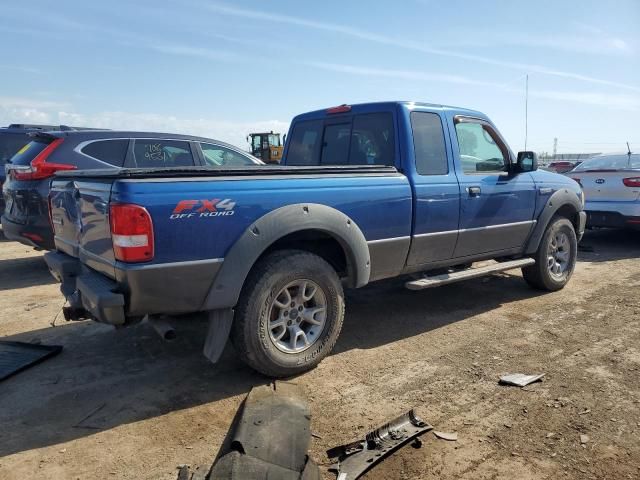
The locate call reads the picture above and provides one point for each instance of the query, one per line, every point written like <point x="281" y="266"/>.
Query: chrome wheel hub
<point x="558" y="255"/>
<point x="297" y="316"/>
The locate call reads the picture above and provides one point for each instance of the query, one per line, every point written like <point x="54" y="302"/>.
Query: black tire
<point x="272" y="275"/>
<point x="540" y="275"/>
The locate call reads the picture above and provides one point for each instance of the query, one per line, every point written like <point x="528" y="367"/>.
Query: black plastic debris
<point x="18" y="356"/>
<point x="358" y="457"/>
<point x="271" y="438"/>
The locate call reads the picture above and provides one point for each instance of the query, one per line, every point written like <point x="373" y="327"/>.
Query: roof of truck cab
<point x="377" y="106"/>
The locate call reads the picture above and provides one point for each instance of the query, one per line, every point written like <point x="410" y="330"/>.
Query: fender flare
<point x="560" y="198"/>
<point x="268" y="229"/>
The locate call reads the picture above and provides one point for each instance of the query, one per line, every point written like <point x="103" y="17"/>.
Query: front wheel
<point x="555" y="258"/>
<point x="290" y="313"/>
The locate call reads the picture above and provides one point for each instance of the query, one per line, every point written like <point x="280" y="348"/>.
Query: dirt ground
<point x="124" y="404"/>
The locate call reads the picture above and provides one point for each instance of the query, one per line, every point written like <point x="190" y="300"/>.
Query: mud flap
<point x="218" y="333"/>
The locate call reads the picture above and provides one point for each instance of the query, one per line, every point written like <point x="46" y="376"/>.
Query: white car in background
<point x="611" y="186"/>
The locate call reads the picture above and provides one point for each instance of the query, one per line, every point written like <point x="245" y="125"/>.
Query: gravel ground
<point x="123" y="404"/>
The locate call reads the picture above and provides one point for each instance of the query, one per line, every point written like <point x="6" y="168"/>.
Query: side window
<point x="479" y="148"/>
<point x="304" y="145"/>
<point x="335" y="144"/>
<point x="162" y="153"/>
<point x="428" y="144"/>
<point x="372" y="140"/>
<point x="219" y="156"/>
<point x="109" y="151"/>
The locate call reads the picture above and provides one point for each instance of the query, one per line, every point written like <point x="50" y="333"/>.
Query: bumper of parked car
<point x="36" y="234"/>
<point x="613" y="214"/>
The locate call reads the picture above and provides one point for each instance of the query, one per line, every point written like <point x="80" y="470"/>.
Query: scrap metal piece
<point x="271" y="438"/>
<point x="17" y="356"/>
<point x="358" y="457"/>
<point x="520" y="379"/>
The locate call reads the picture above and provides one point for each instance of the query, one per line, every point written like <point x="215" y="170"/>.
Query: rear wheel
<point x="289" y="315"/>
<point x="555" y="258"/>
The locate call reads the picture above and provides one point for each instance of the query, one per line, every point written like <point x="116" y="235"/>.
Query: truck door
<point x="496" y="207"/>
<point x="436" y="193"/>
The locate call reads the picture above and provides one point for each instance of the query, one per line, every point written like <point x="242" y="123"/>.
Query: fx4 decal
<point x="203" y="208"/>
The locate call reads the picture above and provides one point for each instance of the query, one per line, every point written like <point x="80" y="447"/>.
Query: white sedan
<point x="611" y="186"/>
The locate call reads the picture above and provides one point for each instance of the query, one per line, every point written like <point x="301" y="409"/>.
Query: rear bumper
<point x="604" y="219"/>
<point x="90" y="294"/>
<point x="613" y="214"/>
<point x="170" y="288"/>
<point x="33" y="234"/>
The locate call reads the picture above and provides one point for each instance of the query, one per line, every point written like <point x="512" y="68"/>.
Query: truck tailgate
<point x="80" y="219"/>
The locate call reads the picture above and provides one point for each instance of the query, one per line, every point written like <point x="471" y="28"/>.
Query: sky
<point x="224" y="69"/>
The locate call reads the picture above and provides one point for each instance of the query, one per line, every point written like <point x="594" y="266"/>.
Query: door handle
<point x="474" y="191"/>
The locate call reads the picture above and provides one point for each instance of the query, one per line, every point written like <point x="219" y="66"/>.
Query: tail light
<point x="131" y="233"/>
<point x="576" y="179"/>
<point x="631" y="182"/>
<point x="39" y="168"/>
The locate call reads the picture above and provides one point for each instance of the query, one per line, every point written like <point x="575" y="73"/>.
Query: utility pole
<point x="555" y="147"/>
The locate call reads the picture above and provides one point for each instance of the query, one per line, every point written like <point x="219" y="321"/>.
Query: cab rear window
<point x="365" y="139"/>
<point x="28" y="152"/>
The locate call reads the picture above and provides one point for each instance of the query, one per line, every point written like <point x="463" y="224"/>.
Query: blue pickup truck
<point x="365" y="192"/>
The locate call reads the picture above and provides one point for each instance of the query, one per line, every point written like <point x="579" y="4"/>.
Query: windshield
<point x="610" y="162"/>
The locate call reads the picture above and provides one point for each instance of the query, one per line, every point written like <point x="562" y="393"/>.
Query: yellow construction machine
<point x="266" y="146"/>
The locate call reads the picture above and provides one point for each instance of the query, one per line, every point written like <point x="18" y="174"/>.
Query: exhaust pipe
<point x="163" y="328"/>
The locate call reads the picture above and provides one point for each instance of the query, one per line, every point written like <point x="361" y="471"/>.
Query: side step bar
<point x="443" y="279"/>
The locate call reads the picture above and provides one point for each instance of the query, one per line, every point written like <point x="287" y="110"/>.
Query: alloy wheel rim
<point x="297" y="316"/>
<point x="558" y="255"/>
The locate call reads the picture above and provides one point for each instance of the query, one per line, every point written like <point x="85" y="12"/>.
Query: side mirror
<point x="527" y="162"/>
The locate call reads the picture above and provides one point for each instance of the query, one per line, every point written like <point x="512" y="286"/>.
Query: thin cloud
<point x="401" y="74"/>
<point x="17" y="110"/>
<point x="401" y="43"/>
<point x="21" y="102"/>
<point x="614" y="101"/>
<point x="183" y="50"/>
<point x="20" y="68"/>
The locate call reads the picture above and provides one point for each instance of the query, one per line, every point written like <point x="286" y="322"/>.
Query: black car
<point x="29" y="172"/>
<point x="12" y="139"/>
